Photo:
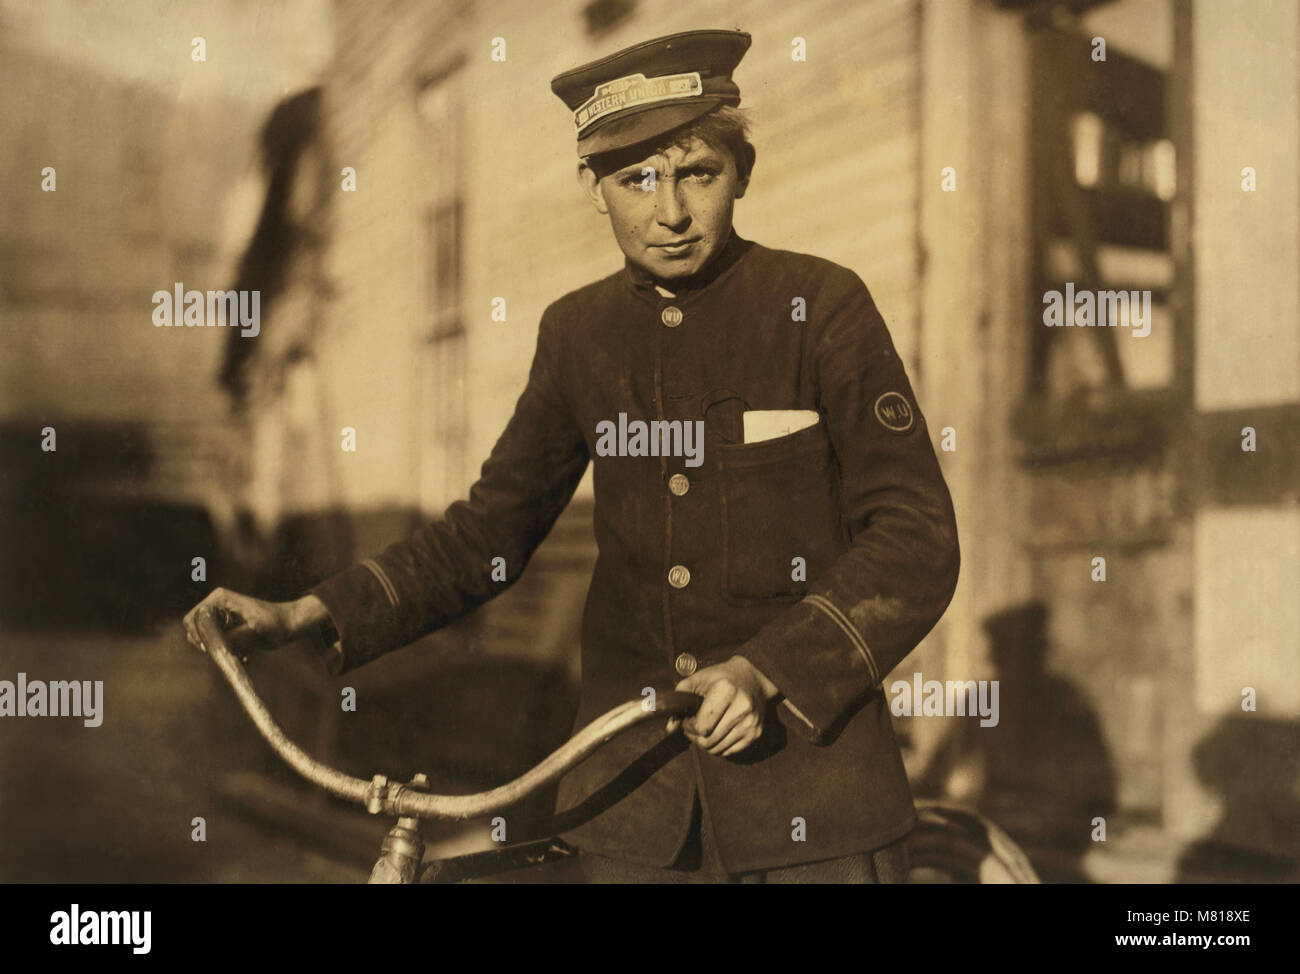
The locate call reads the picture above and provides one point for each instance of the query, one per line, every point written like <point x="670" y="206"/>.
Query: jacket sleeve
<point x="445" y="569"/>
<point x="888" y="589"/>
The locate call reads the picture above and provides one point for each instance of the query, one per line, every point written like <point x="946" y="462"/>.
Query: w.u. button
<point x="671" y="316"/>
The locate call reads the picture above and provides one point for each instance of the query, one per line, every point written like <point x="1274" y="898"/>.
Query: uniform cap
<point x="651" y="88"/>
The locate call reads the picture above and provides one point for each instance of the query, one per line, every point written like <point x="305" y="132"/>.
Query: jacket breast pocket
<point x="781" y="524"/>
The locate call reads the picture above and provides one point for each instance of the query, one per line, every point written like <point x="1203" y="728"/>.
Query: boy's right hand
<point x="252" y="624"/>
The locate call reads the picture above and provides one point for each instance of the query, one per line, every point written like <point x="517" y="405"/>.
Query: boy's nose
<point x="669" y="209"/>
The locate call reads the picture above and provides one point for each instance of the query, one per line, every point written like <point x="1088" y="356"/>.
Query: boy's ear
<point x="590" y="184"/>
<point x="744" y="169"/>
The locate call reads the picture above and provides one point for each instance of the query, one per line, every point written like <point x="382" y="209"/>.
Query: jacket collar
<point x="732" y="251"/>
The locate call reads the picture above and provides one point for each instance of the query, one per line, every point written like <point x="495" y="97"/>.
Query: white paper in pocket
<point x="768" y="424"/>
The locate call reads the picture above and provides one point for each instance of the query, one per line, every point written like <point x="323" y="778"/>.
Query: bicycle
<point x="949" y="839"/>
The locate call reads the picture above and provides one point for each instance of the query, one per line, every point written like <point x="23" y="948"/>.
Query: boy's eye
<point x="635" y="180"/>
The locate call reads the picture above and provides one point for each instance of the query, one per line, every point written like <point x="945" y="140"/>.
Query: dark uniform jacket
<point x="691" y="572"/>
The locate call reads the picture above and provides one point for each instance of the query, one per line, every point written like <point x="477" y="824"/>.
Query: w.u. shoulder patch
<point x="895" y="413"/>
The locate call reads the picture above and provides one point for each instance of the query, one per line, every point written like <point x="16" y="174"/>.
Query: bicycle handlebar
<point x="379" y="795"/>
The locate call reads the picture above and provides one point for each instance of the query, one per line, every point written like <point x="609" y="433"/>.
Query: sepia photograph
<point x="631" y="442"/>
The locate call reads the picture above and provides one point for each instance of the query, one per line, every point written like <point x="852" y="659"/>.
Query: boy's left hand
<point x="731" y="716"/>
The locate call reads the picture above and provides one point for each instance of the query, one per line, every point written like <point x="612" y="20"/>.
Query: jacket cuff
<point x="818" y="660"/>
<point x="362" y="605"/>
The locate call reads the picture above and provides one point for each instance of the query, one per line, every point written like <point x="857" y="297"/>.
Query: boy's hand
<point x="262" y="625"/>
<point x="731" y="716"/>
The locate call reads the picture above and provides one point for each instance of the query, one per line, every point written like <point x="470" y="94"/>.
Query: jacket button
<point x="679" y="576"/>
<point x="685" y="664"/>
<point x="672" y="317"/>
<point x="678" y="484"/>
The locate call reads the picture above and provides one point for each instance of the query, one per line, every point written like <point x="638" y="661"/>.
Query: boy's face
<point x="672" y="225"/>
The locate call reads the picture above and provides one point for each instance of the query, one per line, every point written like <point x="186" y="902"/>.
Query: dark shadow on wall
<point x="1043" y="773"/>
<point x="293" y="127"/>
<point x="1253" y="764"/>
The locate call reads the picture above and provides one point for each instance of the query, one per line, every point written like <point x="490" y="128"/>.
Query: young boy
<point x="774" y="531"/>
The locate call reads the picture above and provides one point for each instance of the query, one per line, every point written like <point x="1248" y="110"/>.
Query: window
<point x="1105" y="175"/>
<point x="444" y="406"/>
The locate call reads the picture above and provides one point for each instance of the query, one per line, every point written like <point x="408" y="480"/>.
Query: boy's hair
<point x="725" y="128"/>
